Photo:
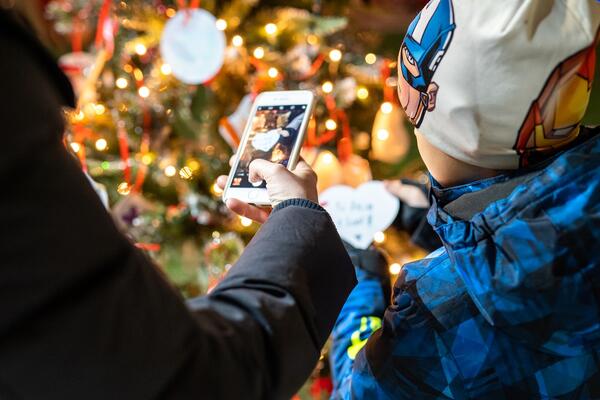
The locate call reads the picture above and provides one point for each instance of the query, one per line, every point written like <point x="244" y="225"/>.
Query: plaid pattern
<point x="510" y="309"/>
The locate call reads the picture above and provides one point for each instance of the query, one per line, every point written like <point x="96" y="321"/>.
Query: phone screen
<point x="272" y="137"/>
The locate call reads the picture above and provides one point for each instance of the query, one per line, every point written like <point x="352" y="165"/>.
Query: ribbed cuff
<point x="298" y="203"/>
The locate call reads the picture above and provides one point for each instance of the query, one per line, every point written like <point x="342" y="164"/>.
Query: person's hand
<point x="282" y="184"/>
<point x="410" y="194"/>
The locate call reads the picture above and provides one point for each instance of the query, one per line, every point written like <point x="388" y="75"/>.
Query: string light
<point x="271" y="29"/>
<point x="395" y="268"/>
<point x="379" y="237"/>
<point x="123" y="189"/>
<point x="259" y="52"/>
<point x="327" y="87"/>
<point x="370" y="58"/>
<point x="140" y="49"/>
<point x="387" y="107"/>
<point x="75" y="147"/>
<point x="165" y="69"/>
<point x="170" y="12"/>
<point x="170" y="171"/>
<point x="362" y="93"/>
<point x="128" y="68"/>
<point x="246" y="222"/>
<point x="101" y="144"/>
<point x="194" y="164"/>
<point x="383" y="134"/>
<point x="122" y="83"/>
<point x="148" y="158"/>
<point x="237" y="41"/>
<point x="100" y="109"/>
<point x="335" y="55"/>
<point x="186" y="173"/>
<point x="216" y="189"/>
<point x="312" y="40"/>
<point x="331" y="125"/>
<point x="221" y="24"/>
<point x="138" y="74"/>
<point x="144" y="92"/>
<point x="273" y="72"/>
<point x="328" y="157"/>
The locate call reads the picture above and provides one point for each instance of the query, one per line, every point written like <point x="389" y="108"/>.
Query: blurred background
<point x="154" y="138"/>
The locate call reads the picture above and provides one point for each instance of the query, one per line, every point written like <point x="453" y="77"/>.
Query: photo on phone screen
<point x="272" y="137"/>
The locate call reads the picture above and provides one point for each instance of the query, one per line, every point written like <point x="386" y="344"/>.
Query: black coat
<point x="85" y="315"/>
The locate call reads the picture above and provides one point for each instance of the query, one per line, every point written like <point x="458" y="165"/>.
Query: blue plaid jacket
<point x="509" y="308"/>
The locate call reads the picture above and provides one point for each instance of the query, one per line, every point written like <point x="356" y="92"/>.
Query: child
<point x="509" y="307"/>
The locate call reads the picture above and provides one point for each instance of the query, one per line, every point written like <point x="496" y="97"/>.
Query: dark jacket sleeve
<point x="86" y="315"/>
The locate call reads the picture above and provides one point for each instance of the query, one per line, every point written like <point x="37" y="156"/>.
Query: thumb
<point x="303" y="170"/>
<point x="262" y="170"/>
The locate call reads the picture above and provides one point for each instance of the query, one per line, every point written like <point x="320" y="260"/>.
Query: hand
<point x="282" y="185"/>
<point x="409" y="194"/>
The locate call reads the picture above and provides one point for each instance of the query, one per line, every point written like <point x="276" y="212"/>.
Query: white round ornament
<point x="193" y="46"/>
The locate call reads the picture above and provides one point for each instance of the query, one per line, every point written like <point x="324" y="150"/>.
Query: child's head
<point x="496" y="85"/>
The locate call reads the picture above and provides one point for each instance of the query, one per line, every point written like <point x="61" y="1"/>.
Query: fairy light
<point x="271" y="29"/>
<point x="237" y="41"/>
<point x="335" y="55"/>
<point x="101" y="144"/>
<point x="395" y="268"/>
<point x="273" y="72"/>
<point x="246" y="222"/>
<point x="362" y="93"/>
<point x="165" y="69"/>
<point x="123" y="189"/>
<point x="138" y="74"/>
<point x="144" y="92"/>
<point x="148" y="158"/>
<point x="99" y="109"/>
<point x="140" y="49"/>
<point x="379" y="237"/>
<point x="122" y="83"/>
<point x="387" y="107"/>
<point x="370" y="58"/>
<point x="313" y="40"/>
<point x="170" y="12"/>
<point x="186" y="173"/>
<point x="216" y="189"/>
<point x="170" y="171"/>
<point x="383" y="134"/>
<point x="259" y="52"/>
<point x="331" y="125"/>
<point x="194" y="164"/>
<point x="128" y="68"/>
<point x="76" y="147"/>
<point x="327" y="87"/>
<point x="327" y="157"/>
<point x="221" y="24"/>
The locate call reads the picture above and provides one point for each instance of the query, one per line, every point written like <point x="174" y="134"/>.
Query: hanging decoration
<point x="193" y="46"/>
<point x="232" y="127"/>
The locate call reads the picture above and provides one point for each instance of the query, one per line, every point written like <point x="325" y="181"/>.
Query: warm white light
<point x="395" y="268"/>
<point x="370" y="58"/>
<point x="383" y="134"/>
<point x="101" y="144"/>
<point x="216" y="189"/>
<point x="221" y="24"/>
<point x="271" y="29"/>
<point x="327" y="87"/>
<point x="186" y="173"/>
<point x="121" y="83"/>
<point x="75" y="147"/>
<point x="379" y="237"/>
<point x="144" y="92"/>
<point x="245" y="221"/>
<point x="387" y="107"/>
<point x="165" y="69"/>
<point x="273" y="72"/>
<point x="123" y="188"/>
<point x="140" y="49"/>
<point x="100" y="109"/>
<point x="362" y="93"/>
<point x="170" y="171"/>
<point x="328" y="157"/>
<point x="237" y="41"/>
<point x="331" y="125"/>
<point x="335" y="55"/>
<point x="259" y="52"/>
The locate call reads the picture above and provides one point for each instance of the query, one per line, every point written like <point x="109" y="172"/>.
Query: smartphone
<point x="275" y="132"/>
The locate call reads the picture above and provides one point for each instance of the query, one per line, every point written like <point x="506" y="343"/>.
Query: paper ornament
<point x="356" y="171"/>
<point x="78" y="67"/>
<point x="358" y="214"/>
<point x="389" y="139"/>
<point x="232" y="128"/>
<point x="193" y="46"/>
<point x="326" y="166"/>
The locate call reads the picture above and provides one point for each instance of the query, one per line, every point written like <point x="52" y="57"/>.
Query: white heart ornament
<point x="266" y="141"/>
<point x="360" y="213"/>
<point x="193" y="46"/>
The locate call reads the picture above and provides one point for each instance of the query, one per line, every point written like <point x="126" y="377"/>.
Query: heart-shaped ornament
<point x="266" y="141"/>
<point x="358" y="214"/>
